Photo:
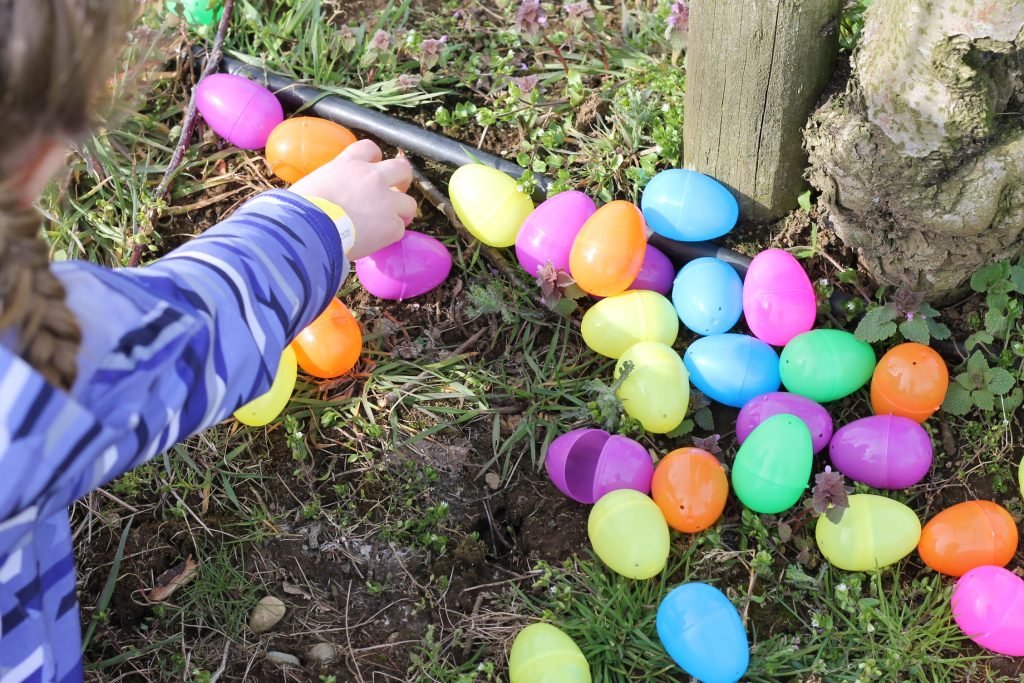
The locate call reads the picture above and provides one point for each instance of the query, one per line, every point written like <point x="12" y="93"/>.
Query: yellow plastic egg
<point x="542" y="653"/>
<point x="489" y="204"/>
<point x="657" y="390"/>
<point x="629" y="534"/>
<point x="263" y="409"/>
<point x="614" y="324"/>
<point x="874" y="532"/>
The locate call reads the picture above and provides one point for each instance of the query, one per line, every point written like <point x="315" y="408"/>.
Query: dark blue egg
<point x="688" y="206"/>
<point x="702" y="632"/>
<point x="732" y="368"/>
<point x="708" y="296"/>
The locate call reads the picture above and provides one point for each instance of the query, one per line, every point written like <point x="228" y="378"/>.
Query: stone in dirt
<point x="266" y="614"/>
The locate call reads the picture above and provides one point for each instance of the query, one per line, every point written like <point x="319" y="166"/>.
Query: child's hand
<point x="372" y="192"/>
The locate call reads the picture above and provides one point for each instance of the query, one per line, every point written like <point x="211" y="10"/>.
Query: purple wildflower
<point x="527" y="84"/>
<point x="679" y="19"/>
<point x="431" y="51"/>
<point x="381" y="41"/>
<point x="408" y="81"/>
<point x="531" y="18"/>
<point x="347" y="36"/>
<point x="577" y="12"/>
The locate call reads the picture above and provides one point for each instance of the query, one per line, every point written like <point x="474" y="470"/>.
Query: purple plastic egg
<point x="760" y="408"/>
<point x="585" y="464"/>
<point x="412" y="266"/>
<point x="656" y="274"/>
<point x="241" y="111"/>
<point x="884" y="451"/>
<point x="549" y="231"/>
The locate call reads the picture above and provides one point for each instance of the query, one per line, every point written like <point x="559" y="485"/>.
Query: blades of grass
<point x="108" y="587"/>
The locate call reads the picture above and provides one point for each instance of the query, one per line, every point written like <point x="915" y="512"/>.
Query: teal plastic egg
<point x="732" y="368"/>
<point x="688" y="206"/>
<point x="773" y="466"/>
<point x="543" y="653"/>
<point x="826" y="365"/>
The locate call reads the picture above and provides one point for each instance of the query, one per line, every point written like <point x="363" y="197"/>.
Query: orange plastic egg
<point x="299" y="146"/>
<point x="331" y="344"/>
<point x="910" y="380"/>
<point x="609" y="249"/>
<point x="690" y="487"/>
<point x="968" y="535"/>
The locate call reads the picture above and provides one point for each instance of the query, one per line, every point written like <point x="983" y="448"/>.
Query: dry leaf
<point x="292" y="589"/>
<point x="173" y="579"/>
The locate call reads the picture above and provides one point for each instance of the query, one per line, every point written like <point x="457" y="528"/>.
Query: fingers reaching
<point x="363" y="150"/>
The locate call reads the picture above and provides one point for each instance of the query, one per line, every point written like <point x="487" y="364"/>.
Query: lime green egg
<point x="489" y="204"/>
<point x="874" y="532"/>
<point x="614" y="324"/>
<point x="197" y="12"/>
<point x="543" y="653"/>
<point x="826" y="365"/>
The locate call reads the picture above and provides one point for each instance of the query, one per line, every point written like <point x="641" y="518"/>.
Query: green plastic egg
<point x="657" y="390"/>
<point x="773" y="465"/>
<point x="614" y="324"/>
<point x="489" y="204"/>
<point x="542" y="653"/>
<point x="874" y="532"/>
<point x="629" y="534"/>
<point x="826" y="365"/>
<point x="197" y="12"/>
<point x="263" y="409"/>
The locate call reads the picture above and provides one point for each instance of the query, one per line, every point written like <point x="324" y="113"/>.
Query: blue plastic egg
<point x="708" y="296"/>
<point x="732" y="368"/>
<point x="688" y="206"/>
<point x="702" y="632"/>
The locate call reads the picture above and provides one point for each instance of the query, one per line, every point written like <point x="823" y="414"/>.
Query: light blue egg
<point x="732" y="368"/>
<point x="701" y="630"/>
<point x="688" y="206"/>
<point x="708" y="296"/>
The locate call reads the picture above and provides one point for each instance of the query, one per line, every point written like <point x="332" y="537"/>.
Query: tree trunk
<point x="755" y="70"/>
<point x="920" y="162"/>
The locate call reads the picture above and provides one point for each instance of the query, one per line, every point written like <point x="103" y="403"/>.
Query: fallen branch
<point x="188" y="127"/>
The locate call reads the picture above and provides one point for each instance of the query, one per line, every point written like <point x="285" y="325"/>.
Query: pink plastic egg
<point x="760" y="408"/>
<point x="412" y="266"/>
<point x="988" y="606"/>
<point x="548" y="232"/>
<point x="778" y="298"/>
<point x="241" y="111"/>
<point x="884" y="451"/>
<point x="585" y="464"/>
<point x="656" y="274"/>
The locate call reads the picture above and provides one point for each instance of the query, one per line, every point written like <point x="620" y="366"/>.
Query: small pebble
<point x="493" y="480"/>
<point x="323" y="652"/>
<point x="266" y="614"/>
<point x="283" y="658"/>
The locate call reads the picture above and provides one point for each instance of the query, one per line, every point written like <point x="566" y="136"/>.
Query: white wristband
<point x="346" y="229"/>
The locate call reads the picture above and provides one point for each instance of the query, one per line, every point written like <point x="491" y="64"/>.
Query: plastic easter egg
<point x="585" y="464"/>
<point x="910" y="380"/>
<point x="874" y="532"/>
<point x="614" y="324"/>
<point x="708" y="296"/>
<point x="489" y="204"/>
<point x="542" y="653"/>
<point x="656" y="272"/>
<point x="412" y="266"/>
<point x="826" y="365"/>
<point x="732" y="368"/>
<point x="657" y="390"/>
<point x="690" y="487"/>
<point x="773" y="465"/>
<point x="702" y="632"/>
<point x="688" y="206"/>
<point x="884" y="451"/>
<point x="1020" y="476"/>
<point x="263" y="409"/>
<point x="197" y="12"/>
<point x="241" y="111"/>
<point x="331" y="344"/>
<point x="303" y="144"/>
<point x="988" y="606"/>
<point x="760" y="408"/>
<point x="968" y="535"/>
<point x="548" y="232"/>
<point x="778" y="298"/>
<point x="629" y="534"/>
<point x="609" y="250"/>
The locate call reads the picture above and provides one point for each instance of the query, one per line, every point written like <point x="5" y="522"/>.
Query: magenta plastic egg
<point x="412" y="266"/>
<point x="778" y="298"/>
<point x="241" y="111"/>
<point x="760" y="408"/>
<point x="585" y="464"/>
<point x="884" y="451"/>
<point x="656" y="274"/>
<point x="549" y="231"/>
<point x="988" y="606"/>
